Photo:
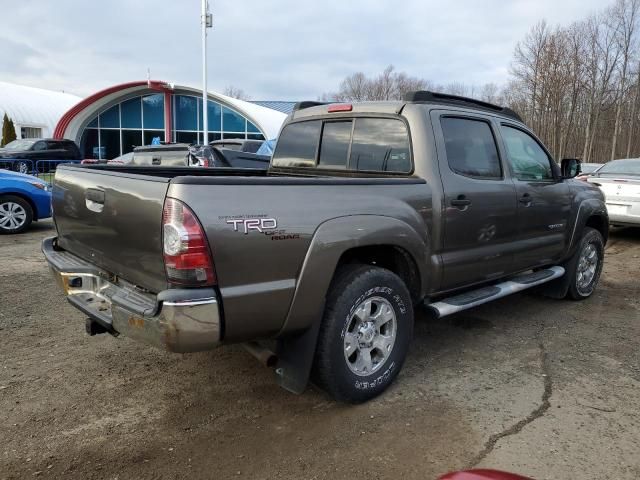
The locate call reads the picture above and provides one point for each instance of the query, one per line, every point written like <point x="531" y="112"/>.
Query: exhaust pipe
<point x="262" y="354"/>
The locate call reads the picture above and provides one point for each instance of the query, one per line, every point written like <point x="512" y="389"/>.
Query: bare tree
<point x="625" y="16"/>
<point x="388" y="85"/>
<point x="235" y="92"/>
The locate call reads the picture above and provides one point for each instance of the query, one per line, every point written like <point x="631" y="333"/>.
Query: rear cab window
<point x="363" y="144"/>
<point x="298" y="145"/>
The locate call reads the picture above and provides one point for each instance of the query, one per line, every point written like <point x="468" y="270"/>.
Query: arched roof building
<point x="34" y="111"/>
<point x="113" y="121"/>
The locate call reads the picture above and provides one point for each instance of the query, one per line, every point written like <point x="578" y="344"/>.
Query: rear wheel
<point x="15" y="214"/>
<point x="585" y="266"/>
<point x="365" y="333"/>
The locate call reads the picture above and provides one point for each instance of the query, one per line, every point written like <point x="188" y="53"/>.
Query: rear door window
<point x="471" y="148"/>
<point x="334" y="147"/>
<point x="380" y="145"/>
<point x="298" y="144"/>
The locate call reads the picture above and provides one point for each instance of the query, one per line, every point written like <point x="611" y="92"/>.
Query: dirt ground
<point x="547" y="388"/>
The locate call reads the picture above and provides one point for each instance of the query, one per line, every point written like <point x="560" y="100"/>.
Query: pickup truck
<point x="182" y="154"/>
<point x="367" y="211"/>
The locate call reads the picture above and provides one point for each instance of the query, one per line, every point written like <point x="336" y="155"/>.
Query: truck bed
<point x="256" y="269"/>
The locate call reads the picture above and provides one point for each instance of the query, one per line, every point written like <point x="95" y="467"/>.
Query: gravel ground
<point x="543" y="387"/>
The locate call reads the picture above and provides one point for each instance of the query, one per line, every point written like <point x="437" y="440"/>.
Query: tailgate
<point x="114" y="221"/>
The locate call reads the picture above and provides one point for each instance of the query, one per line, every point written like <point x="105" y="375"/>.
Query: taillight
<point x="187" y="260"/>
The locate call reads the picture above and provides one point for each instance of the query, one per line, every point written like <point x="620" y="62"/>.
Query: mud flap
<point x="557" y="288"/>
<point x="295" y="359"/>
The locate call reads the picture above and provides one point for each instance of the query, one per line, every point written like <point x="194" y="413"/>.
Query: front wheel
<point x="585" y="266"/>
<point x="15" y="214"/>
<point x="22" y="166"/>
<point x="365" y="333"/>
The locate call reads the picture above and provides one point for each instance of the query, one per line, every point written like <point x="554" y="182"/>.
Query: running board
<point x="463" y="301"/>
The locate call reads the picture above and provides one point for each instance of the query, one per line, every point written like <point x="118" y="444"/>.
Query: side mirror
<point x="570" y="167"/>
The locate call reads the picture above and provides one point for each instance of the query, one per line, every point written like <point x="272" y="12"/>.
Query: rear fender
<point x="298" y="337"/>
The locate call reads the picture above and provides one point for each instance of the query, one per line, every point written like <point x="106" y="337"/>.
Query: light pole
<point x="206" y="21"/>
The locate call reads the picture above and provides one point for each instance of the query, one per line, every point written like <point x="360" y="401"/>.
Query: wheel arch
<point x="590" y="213"/>
<point x="370" y="239"/>
<point x="367" y="238"/>
<point x="600" y="222"/>
<point x="391" y="257"/>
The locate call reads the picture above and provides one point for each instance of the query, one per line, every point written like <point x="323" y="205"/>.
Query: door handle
<point x="94" y="199"/>
<point x="461" y="202"/>
<point x="525" y="199"/>
<point x="95" y="195"/>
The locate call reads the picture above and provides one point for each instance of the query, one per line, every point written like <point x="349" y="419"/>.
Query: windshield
<point x="19" y="145"/>
<point x="624" y="167"/>
<point x="589" y="167"/>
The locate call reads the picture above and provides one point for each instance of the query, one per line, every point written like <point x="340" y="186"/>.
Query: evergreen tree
<point x="8" y="131"/>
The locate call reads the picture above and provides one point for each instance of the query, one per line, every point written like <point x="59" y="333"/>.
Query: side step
<point x="482" y="295"/>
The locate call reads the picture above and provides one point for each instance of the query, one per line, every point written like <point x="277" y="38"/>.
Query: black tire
<point x="591" y="241"/>
<point x="351" y="288"/>
<point x="9" y="226"/>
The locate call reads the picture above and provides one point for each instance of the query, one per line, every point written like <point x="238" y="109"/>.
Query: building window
<point x="30" y="132"/>
<point x="110" y="118"/>
<point x="232" y="122"/>
<point x="140" y="121"/>
<point x="186" y="113"/>
<point x="224" y="123"/>
<point x="131" y="113"/>
<point x="153" y="111"/>
<point x="130" y="140"/>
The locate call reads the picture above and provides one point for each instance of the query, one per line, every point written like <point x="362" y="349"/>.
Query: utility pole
<point x="206" y="20"/>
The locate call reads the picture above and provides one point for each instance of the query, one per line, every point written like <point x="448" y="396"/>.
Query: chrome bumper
<point x="178" y="320"/>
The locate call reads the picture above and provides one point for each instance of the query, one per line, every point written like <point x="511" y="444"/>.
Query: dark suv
<point x="34" y="149"/>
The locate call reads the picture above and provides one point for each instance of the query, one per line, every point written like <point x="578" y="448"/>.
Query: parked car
<point x="23" y="199"/>
<point x="619" y="180"/>
<point x="24" y="153"/>
<point x="366" y="212"/>
<point x="248" y="146"/>
<point x="587" y="169"/>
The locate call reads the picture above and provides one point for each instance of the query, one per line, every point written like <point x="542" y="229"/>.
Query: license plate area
<point x="617" y="209"/>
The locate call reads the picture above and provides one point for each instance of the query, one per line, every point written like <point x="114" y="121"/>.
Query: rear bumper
<point x="624" y="213"/>
<point x="177" y="320"/>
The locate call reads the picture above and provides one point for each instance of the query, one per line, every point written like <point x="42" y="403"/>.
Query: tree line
<point x="576" y="86"/>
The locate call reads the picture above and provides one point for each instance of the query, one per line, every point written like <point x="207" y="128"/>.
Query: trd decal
<point x="246" y="225"/>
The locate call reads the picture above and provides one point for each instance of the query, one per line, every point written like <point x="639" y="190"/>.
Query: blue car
<point x="23" y="199"/>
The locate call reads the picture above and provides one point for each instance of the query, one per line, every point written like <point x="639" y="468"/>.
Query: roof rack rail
<point x="447" y="99"/>
<point x="307" y="104"/>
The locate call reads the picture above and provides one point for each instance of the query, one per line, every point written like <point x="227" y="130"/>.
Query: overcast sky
<point x="275" y="50"/>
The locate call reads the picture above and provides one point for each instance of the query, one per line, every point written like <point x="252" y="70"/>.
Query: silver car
<point x="619" y="180"/>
